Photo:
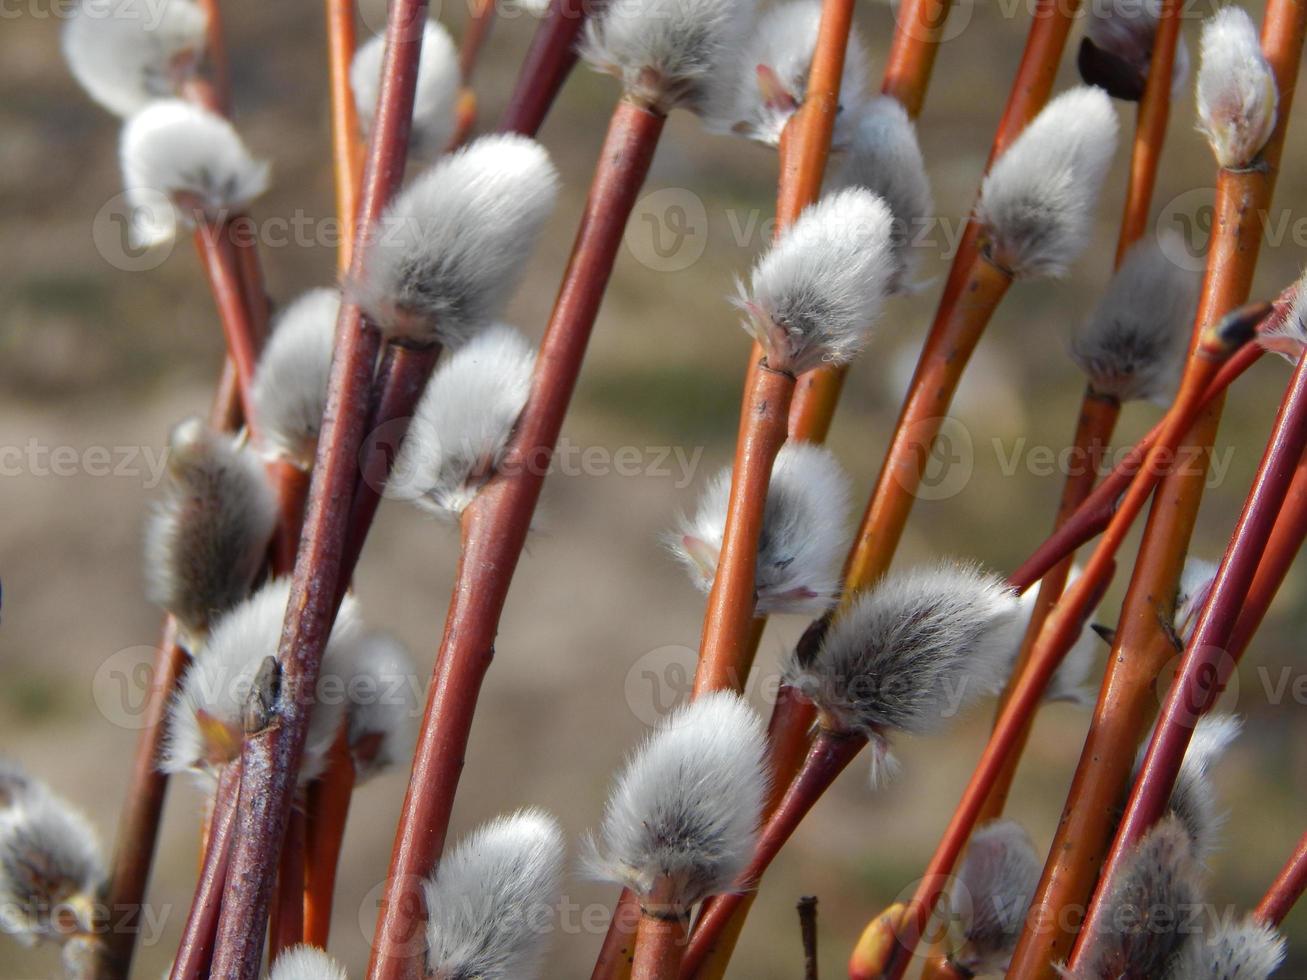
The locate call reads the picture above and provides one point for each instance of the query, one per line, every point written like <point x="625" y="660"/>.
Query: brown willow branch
<point x="346" y="141"/>
<point x="316" y="583"/>
<point x="548" y="62"/>
<point x="495" y="526"/>
<point x="1286" y="889"/>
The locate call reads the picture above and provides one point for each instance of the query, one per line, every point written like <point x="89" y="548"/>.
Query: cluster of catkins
<point x="904" y="656"/>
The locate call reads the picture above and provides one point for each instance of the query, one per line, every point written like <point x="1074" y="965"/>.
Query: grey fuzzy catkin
<point x="1145" y="914"/>
<point x="383" y="704"/>
<point x="1236" y="90"/>
<point x="290" y="383"/>
<point x="448" y="253"/>
<point x="670" y="53"/>
<point x="781" y="47"/>
<point x="685" y="810"/>
<point x="491" y="902"/>
<point x="803" y="532"/>
<point x="208" y="534"/>
<point x="907" y="654"/>
<point x="812" y="298"/>
<point x="304" y="962"/>
<point x="992" y="892"/>
<point x="1133" y="345"/>
<point x="1036" y="204"/>
<point x="435" y="97"/>
<point x="1243" y="950"/>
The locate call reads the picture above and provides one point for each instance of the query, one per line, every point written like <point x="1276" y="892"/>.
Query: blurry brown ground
<point x="94" y="356"/>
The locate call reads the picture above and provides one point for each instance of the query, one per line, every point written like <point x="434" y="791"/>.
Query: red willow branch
<point x="316" y="585"/>
<point x="1287" y="888"/>
<point x="346" y="143"/>
<point x="495" y="526"/>
<point x="548" y="62"/>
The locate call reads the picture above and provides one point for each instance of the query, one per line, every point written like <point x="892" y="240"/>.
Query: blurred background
<point x="99" y="361"/>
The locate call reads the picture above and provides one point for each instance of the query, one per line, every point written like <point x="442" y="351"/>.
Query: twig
<point x="475" y="35"/>
<point x="918" y="25"/>
<point x="1206" y="664"/>
<point x="315" y="592"/>
<point x="807" y="909"/>
<point x="346" y="143"/>
<point x="222" y="266"/>
<point x="1287" y="888"/>
<point x="327" y="809"/>
<point x="286" y="921"/>
<point x="548" y="62"/>
<point x="196" y="947"/>
<point x="495" y="526"/>
<point x="1120" y="720"/>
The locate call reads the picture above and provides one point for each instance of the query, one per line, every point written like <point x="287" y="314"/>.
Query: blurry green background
<point x="599" y="618"/>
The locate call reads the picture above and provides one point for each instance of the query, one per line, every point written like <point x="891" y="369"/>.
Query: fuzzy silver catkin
<point x="207" y="537"/>
<point x="910" y="652"/>
<point x="1133" y="345"/>
<point x="1145" y="914"/>
<point x="1127" y="29"/>
<point x="992" y="891"/>
<point x="490" y="906"/>
<point x="127" y="55"/>
<point x="435" y="98"/>
<point x="1244" y="950"/>
<point x="204" y="718"/>
<point x="805" y="521"/>
<point x="177" y="157"/>
<point x="813" y="296"/>
<point x="1068" y="681"/>
<point x="463" y="422"/>
<point x="1195" y="586"/>
<point x="290" y="382"/>
<point x="15" y="784"/>
<point x="1036" y="204"/>
<point x="51" y="870"/>
<point x="884" y="157"/>
<point x="684" y="812"/>
<point x="773" y="75"/>
<point x="382" y="705"/>
<point x="449" y="251"/>
<point x="670" y="54"/>
<point x="1236" y="91"/>
<point x="1193" y="798"/>
<point x="1286" y="334"/>
<point x="305" y="962"/>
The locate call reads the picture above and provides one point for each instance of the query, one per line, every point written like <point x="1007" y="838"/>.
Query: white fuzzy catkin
<point x="813" y="297"/>
<point x="1193" y="798"/>
<point x="204" y="719"/>
<point x="463" y="422"/>
<point x="383" y="705"/>
<point x="1237" y="96"/>
<point x="208" y="535"/>
<point x="910" y="652"/>
<point x="884" y="157"/>
<point x="684" y="813"/>
<point x="669" y="53"/>
<point x="490" y="905"/>
<point x="773" y="75"/>
<point x="434" y="100"/>
<point x="448" y="252"/>
<point x="1244" y="950"/>
<point x="306" y="963"/>
<point x="126" y="55"/>
<point x="290" y="383"/>
<point x="1068" y="681"/>
<point x="803" y="539"/>
<point x="51" y="870"/>
<point x="991" y="893"/>
<point x="1195" y="585"/>
<point x="1126" y="30"/>
<point x="178" y="158"/>
<point x="1133" y="345"/>
<point x="1036" y="204"/>
<point x="15" y="784"/>
<point x="1146" y="913"/>
<point x="1285" y="331"/>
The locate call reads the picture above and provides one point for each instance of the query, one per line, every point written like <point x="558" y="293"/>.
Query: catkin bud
<point x="1237" y="95"/>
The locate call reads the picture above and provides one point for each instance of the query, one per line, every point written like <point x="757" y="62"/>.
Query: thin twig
<point x="346" y="143"/>
<point x="807" y="909"/>
<point x="548" y="62"/>
<point x="315" y="590"/>
<point x="1287" y="888"/>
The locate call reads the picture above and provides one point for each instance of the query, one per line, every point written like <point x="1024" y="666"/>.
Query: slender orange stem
<point x="222" y="266"/>
<point x="328" y="810"/>
<point x="728" y="625"/>
<point x="660" y="942"/>
<point x="346" y="141"/>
